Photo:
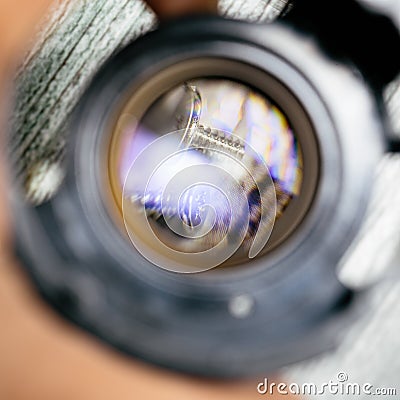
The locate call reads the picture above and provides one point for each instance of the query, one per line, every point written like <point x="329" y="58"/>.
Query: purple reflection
<point x="134" y="141"/>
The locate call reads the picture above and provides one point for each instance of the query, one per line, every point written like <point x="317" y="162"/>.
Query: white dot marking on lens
<point x="241" y="306"/>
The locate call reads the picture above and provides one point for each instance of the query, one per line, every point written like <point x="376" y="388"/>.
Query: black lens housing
<point x="87" y="270"/>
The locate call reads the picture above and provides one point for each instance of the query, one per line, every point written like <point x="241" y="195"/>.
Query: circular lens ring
<point x="141" y="99"/>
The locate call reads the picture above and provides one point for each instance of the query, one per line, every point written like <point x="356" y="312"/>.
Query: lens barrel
<point x="288" y="304"/>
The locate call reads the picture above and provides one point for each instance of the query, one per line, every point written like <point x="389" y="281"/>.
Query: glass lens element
<point x="204" y="174"/>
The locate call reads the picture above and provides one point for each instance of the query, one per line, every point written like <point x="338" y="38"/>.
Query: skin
<point x="41" y="355"/>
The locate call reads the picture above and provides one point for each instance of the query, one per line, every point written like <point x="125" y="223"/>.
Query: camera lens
<point x="210" y="146"/>
<point x="202" y="173"/>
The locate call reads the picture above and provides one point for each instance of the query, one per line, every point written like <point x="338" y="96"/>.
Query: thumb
<point x="176" y="8"/>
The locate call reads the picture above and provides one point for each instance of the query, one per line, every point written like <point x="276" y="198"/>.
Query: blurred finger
<point x="176" y="8"/>
<point x="18" y="19"/>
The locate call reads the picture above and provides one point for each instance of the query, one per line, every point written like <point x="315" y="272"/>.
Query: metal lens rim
<point x="145" y="94"/>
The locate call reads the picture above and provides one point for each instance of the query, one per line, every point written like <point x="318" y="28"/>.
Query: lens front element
<point x="204" y="173"/>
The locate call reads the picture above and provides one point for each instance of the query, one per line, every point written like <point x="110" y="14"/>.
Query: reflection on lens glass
<point x="227" y="166"/>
